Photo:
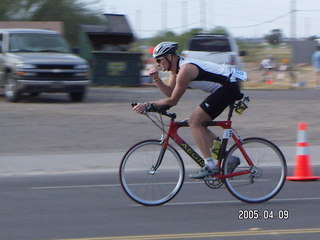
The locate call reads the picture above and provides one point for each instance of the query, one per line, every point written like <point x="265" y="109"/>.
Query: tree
<point x="71" y="12"/>
<point x="5" y="6"/>
<point x="17" y="9"/>
<point x="181" y="39"/>
<point x="219" y="30"/>
<point x="171" y="36"/>
<point x="275" y="38"/>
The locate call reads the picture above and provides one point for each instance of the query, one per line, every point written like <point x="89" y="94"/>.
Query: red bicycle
<point x="152" y="171"/>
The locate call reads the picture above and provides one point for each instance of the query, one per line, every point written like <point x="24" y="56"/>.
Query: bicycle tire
<point x="267" y="177"/>
<point x="144" y="185"/>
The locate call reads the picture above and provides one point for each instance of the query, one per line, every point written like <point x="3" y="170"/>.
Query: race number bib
<point x="238" y="74"/>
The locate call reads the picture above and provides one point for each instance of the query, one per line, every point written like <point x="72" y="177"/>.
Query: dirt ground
<point x="300" y="76"/>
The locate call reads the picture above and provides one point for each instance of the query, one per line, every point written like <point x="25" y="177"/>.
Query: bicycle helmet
<point x="164" y="48"/>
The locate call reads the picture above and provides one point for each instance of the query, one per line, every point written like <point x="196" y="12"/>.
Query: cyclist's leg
<point x="204" y="138"/>
<point x="201" y="134"/>
<point x="208" y="110"/>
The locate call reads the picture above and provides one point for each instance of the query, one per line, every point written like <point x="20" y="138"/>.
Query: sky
<point x="242" y="18"/>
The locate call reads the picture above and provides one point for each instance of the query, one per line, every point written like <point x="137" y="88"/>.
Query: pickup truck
<point x="34" y="61"/>
<point x="220" y="49"/>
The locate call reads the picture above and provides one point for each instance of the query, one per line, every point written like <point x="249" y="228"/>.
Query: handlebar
<point x="161" y="110"/>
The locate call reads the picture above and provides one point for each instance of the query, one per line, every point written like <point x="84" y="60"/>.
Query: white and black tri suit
<point x="219" y="80"/>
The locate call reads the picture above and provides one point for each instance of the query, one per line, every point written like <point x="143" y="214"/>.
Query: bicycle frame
<point x="143" y="177"/>
<point x="172" y="133"/>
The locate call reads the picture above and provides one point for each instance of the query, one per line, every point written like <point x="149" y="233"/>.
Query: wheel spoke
<point x="266" y="177"/>
<point x="145" y="180"/>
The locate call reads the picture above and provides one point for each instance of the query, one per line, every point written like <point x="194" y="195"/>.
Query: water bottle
<point x="216" y="148"/>
<point x="243" y="105"/>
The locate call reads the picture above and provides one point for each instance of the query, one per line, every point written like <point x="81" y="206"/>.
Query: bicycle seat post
<point x="231" y="108"/>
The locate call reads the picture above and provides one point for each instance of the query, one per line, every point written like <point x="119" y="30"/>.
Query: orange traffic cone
<point x="269" y="82"/>
<point x="302" y="170"/>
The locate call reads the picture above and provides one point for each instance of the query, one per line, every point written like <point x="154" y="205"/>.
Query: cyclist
<point x="219" y="80"/>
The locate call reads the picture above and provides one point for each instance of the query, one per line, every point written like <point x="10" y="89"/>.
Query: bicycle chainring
<point x="212" y="182"/>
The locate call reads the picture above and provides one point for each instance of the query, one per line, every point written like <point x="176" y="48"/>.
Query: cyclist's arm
<point x="187" y="73"/>
<point x="167" y="89"/>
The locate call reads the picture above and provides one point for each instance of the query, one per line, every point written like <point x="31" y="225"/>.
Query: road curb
<point x="43" y="164"/>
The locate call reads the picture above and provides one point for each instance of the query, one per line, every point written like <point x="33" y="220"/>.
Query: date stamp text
<point x="255" y="214"/>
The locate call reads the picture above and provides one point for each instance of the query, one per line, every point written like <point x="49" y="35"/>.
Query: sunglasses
<point x="158" y="60"/>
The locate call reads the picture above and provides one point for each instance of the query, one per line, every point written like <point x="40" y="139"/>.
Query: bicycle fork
<point x="164" y="143"/>
<point x="154" y="168"/>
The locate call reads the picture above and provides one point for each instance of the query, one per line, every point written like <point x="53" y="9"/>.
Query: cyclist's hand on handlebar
<point x="150" y="107"/>
<point x="139" y="107"/>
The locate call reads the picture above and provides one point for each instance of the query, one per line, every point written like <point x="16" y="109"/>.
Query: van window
<point x="210" y="45"/>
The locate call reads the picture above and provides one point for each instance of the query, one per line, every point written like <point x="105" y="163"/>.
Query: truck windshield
<point x="37" y="42"/>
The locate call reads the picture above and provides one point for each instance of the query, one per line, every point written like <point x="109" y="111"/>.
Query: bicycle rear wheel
<point x="266" y="177"/>
<point x="149" y="179"/>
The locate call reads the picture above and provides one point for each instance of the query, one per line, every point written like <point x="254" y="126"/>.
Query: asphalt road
<point x="51" y="135"/>
<point x="93" y="206"/>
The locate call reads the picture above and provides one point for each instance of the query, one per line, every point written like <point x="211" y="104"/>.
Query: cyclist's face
<point x="159" y="60"/>
<point x="163" y="63"/>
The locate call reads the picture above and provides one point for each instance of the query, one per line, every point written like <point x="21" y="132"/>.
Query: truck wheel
<point x="10" y="88"/>
<point x="77" y="96"/>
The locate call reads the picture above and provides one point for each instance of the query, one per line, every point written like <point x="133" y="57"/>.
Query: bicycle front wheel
<point x="264" y="180"/>
<point x="151" y="174"/>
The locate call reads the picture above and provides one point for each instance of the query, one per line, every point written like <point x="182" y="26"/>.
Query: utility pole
<point x="138" y="21"/>
<point x="293" y="20"/>
<point x="211" y="14"/>
<point x="164" y="15"/>
<point x="184" y="16"/>
<point x="203" y="10"/>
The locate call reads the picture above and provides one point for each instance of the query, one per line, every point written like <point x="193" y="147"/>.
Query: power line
<point x="184" y="24"/>
<point x="308" y="10"/>
<point x="293" y="19"/>
<point x="259" y="24"/>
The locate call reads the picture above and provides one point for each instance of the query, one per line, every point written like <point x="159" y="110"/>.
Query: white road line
<point x="75" y="186"/>
<point x="174" y="203"/>
<point x="237" y="201"/>
<point x="113" y="185"/>
<point x="93" y="186"/>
